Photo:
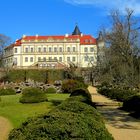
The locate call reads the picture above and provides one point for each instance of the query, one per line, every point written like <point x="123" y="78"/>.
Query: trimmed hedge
<point x="68" y="86"/>
<point x="82" y="92"/>
<point x="117" y="94"/>
<point x="50" y="90"/>
<point x="40" y="75"/>
<point x="70" y="120"/>
<point x="132" y="103"/>
<point x="33" y="95"/>
<point x="7" y="91"/>
<point x="73" y="104"/>
<point x="61" y="125"/>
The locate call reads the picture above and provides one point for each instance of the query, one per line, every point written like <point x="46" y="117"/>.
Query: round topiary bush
<point x="50" y="90"/>
<point x="68" y="86"/>
<point x="61" y="125"/>
<point x="82" y="92"/>
<point x="33" y="95"/>
<point x="132" y="103"/>
<point x="7" y="91"/>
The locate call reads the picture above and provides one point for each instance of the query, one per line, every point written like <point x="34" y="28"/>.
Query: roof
<point x="18" y="42"/>
<point x="76" y="31"/>
<point x="83" y="39"/>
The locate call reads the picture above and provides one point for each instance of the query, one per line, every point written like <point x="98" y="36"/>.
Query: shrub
<point x="61" y="124"/>
<point x="33" y="95"/>
<point x="40" y="75"/>
<point x="7" y="91"/>
<point x="132" y="103"/>
<point x="50" y="90"/>
<point x="82" y="92"/>
<point x="118" y="94"/>
<point x="76" y="106"/>
<point x="68" y="86"/>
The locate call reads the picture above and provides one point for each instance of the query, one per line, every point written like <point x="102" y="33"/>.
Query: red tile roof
<point x="18" y="43"/>
<point x="85" y="39"/>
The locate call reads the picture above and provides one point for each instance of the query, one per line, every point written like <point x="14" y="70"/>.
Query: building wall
<point x="29" y="53"/>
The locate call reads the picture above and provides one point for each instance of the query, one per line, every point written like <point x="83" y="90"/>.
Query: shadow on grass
<point x="119" y="118"/>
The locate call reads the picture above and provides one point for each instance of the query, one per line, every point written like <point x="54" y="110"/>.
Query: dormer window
<point x="86" y="41"/>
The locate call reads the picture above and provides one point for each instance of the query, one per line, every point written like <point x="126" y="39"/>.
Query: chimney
<point x="81" y="34"/>
<point x="66" y="35"/>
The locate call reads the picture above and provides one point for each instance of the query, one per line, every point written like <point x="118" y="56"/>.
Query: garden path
<point x="5" y="127"/>
<point x="118" y="122"/>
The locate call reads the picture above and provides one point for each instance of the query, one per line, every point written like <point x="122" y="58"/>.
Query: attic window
<point x="86" y="40"/>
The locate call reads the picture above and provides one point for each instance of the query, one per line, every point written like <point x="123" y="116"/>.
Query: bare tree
<point x="122" y="40"/>
<point x="4" y="41"/>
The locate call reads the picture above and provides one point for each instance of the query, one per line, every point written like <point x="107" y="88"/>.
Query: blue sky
<point x="58" y="17"/>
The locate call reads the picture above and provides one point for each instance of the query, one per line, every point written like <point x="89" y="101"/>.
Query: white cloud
<point x="110" y="4"/>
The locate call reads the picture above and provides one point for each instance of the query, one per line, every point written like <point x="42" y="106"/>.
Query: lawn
<point x="17" y="113"/>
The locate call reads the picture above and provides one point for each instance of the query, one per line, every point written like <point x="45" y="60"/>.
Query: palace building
<point x="52" y="51"/>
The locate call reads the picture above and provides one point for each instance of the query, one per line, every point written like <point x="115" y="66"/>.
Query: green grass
<point x="17" y="113"/>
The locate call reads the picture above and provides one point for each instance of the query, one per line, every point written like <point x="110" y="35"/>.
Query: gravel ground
<point x="5" y="128"/>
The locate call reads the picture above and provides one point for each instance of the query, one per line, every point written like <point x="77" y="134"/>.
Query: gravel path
<point x="118" y="123"/>
<point x="5" y="128"/>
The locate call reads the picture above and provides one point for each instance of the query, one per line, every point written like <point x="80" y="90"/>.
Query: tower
<point x="76" y="31"/>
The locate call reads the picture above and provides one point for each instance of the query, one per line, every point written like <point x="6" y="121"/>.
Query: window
<point x="73" y="59"/>
<point x="50" y="58"/>
<point x="32" y="49"/>
<point x="60" y="59"/>
<point x="26" y="59"/>
<point x="90" y="40"/>
<point x="44" y="49"/>
<point x="31" y="59"/>
<point x="39" y="58"/>
<point x="74" y="49"/>
<point x="44" y="59"/>
<point x="68" y="59"/>
<point x="85" y="49"/>
<point x="39" y="49"/>
<point x="86" y="41"/>
<point x="91" y="58"/>
<point x="86" y="58"/>
<point x="68" y="49"/>
<point x="26" y="50"/>
<point x="55" y="49"/>
<point x="60" y="49"/>
<point x="50" y="49"/>
<point x="55" y="58"/>
<point x="15" y="50"/>
<point x="92" y="49"/>
<point x="15" y="61"/>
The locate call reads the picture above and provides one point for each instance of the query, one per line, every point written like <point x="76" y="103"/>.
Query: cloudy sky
<point x="109" y="4"/>
<point x="58" y="17"/>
